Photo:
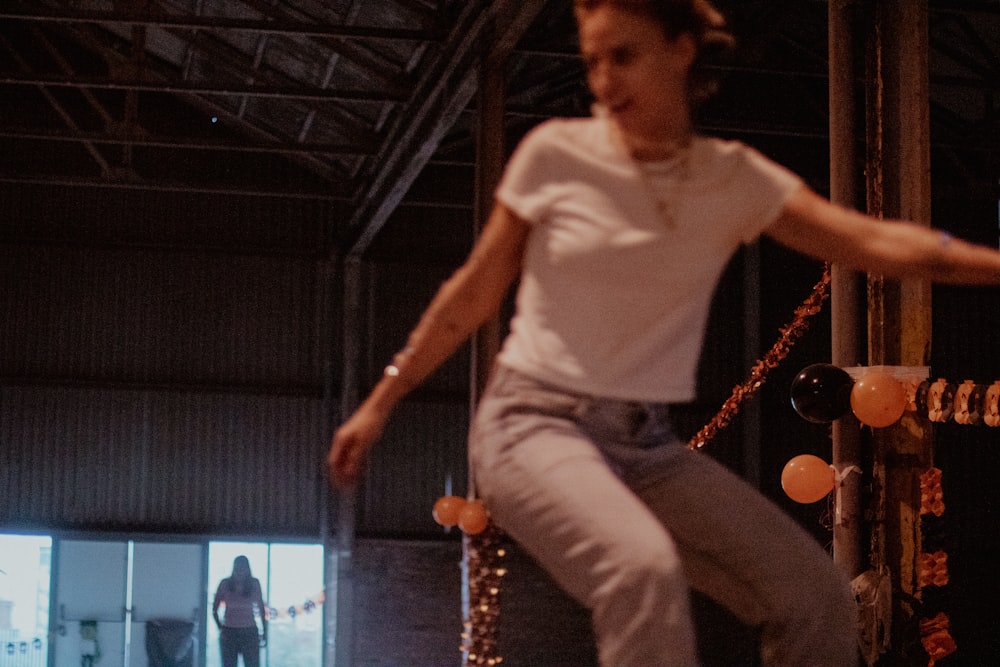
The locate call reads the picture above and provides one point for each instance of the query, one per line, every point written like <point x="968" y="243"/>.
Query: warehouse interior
<point x="220" y="220"/>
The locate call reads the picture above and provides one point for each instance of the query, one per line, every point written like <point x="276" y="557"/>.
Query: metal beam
<point x="60" y="110"/>
<point x="229" y="89"/>
<point x="187" y="142"/>
<point x="440" y="97"/>
<point x="193" y="188"/>
<point x="193" y="22"/>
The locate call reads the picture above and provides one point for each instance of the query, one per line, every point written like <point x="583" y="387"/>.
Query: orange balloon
<point x="878" y="399"/>
<point x="472" y="519"/>
<point x="447" y="509"/>
<point x="807" y="478"/>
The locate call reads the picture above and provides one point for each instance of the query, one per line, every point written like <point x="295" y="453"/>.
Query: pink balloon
<point x="807" y="478"/>
<point x="878" y="399"/>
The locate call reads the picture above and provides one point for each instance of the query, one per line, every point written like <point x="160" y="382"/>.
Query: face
<point x="241" y="567"/>
<point x="635" y="71"/>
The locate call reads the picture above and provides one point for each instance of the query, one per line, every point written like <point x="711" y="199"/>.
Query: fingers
<point x="350" y="445"/>
<point x="344" y="461"/>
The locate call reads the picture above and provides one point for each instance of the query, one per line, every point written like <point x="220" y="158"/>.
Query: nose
<point x="601" y="81"/>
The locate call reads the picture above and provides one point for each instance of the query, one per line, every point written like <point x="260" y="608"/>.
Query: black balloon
<point x="822" y="393"/>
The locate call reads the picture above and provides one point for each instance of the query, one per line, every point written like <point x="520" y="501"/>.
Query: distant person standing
<point x="243" y="600"/>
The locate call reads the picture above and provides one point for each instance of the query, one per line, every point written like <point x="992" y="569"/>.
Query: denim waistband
<point x="639" y="423"/>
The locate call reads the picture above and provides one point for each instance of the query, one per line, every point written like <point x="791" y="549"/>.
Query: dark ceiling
<point x="351" y="101"/>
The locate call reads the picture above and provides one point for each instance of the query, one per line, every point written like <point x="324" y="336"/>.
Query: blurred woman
<point x="617" y="228"/>
<point x="240" y="595"/>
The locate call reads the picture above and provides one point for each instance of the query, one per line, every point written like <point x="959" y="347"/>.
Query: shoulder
<point x="566" y="135"/>
<point x="725" y="152"/>
<point x="562" y="148"/>
<point x="556" y="129"/>
<point x="734" y="160"/>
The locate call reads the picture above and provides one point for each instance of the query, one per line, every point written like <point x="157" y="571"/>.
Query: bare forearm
<point x="452" y="317"/>
<point x="893" y="248"/>
<point x="966" y="263"/>
<point x="905" y="250"/>
<point x="462" y="304"/>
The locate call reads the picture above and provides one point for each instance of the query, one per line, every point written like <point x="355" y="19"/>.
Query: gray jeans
<point x="626" y="518"/>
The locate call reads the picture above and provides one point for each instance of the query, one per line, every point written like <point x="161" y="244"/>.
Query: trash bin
<point x="170" y="642"/>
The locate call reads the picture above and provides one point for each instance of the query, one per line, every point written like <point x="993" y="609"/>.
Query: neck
<point x="661" y="146"/>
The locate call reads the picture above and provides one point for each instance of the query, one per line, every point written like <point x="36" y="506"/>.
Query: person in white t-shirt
<point x="617" y="228"/>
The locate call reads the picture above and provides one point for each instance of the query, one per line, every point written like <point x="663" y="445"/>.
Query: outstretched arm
<point x="463" y="303"/>
<point x="897" y="249"/>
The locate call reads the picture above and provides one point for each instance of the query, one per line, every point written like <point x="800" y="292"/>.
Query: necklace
<point x="663" y="182"/>
<point x="663" y="178"/>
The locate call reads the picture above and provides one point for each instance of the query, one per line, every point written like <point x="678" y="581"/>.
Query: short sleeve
<point x="766" y="186"/>
<point x="530" y="176"/>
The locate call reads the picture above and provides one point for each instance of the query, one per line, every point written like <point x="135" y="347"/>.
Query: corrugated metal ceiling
<point x="351" y="100"/>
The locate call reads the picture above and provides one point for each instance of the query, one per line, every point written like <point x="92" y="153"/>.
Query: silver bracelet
<point x="398" y="359"/>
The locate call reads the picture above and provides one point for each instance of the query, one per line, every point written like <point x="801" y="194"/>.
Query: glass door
<point x="25" y="566"/>
<point x="296" y="600"/>
<point x="291" y="578"/>
<point x="166" y="604"/>
<point x="91" y="586"/>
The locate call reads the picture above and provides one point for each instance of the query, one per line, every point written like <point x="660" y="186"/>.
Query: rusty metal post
<point x="899" y="312"/>
<point x="490" y="102"/>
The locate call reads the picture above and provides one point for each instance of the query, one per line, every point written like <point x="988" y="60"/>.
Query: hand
<point x="351" y="443"/>
<point x="263" y="641"/>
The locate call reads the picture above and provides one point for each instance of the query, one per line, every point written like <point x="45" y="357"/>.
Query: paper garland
<point x="932" y="573"/>
<point x="292" y="611"/>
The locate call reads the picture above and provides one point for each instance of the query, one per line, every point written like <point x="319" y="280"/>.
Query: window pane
<point x="25" y="567"/>
<point x="296" y="598"/>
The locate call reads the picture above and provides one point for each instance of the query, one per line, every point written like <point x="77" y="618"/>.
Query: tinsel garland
<point x="788" y="336"/>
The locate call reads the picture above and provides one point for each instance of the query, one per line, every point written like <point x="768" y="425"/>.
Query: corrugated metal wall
<point x="127" y="315"/>
<point x="164" y="361"/>
<point x="423" y="451"/>
<point x="161" y="461"/>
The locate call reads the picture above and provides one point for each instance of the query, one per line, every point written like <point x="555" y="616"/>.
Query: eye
<point x="622" y="55"/>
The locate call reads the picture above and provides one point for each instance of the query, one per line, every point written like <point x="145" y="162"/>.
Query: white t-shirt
<point x="615" y="291"/>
